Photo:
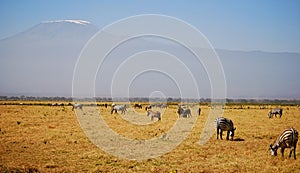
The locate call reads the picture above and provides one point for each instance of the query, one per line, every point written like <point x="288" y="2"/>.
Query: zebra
<point x="75" y="106"/>
<point x="225" y="124"/>
<point x="288" y="139"/>
<point x="117" y="108"/>
<point x="184" y="112"/>
<point x="275" y="111"/>
<point x="153" y="114"/>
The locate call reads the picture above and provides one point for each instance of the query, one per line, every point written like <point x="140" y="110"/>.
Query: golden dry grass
<point x="49" y="139"/>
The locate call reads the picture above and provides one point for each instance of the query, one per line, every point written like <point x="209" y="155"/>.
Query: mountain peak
<point x="80" y="22"/>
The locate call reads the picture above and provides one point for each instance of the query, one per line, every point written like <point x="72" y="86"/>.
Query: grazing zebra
<point x="184" y="112"/>
<point x="153" y="115"/>
<point x="275" y="111"/>
<point x="117" y="108"/>
<point x="288" y="139"/>
<point x="225" y="124"/>
<point x="75" y="106"/>
<point x="138" y="106"/>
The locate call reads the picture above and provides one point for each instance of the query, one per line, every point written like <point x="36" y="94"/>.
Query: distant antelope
<point x="288" y="139"/>
<point x="224" y="124"/>
<point x="275" y="111"/>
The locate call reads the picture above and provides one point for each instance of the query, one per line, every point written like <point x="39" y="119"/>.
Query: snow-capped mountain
<point x="49" y="49"/>
<point x="41" y="61"/>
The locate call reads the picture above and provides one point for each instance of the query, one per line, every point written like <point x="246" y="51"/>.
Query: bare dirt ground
<point x="50" y="139"/>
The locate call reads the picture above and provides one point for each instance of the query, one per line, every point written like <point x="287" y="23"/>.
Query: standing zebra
<point x="154" y="114"/>
<point x="225" y="124"/>
<point x="288" y="139"/>
<point x="184" y="112"/>
<point x="115" y="108"/>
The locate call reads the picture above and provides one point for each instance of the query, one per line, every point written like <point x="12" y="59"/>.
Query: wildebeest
<point x="199" y="111"/>
<point x="117" y="108"/>
<point x="225" y="124"/>
<point x="148" y="107"/>
<point x="138" y="106"/>
<point x="184" y="112"/>
<point x="77" y="105"/>
<point x="275" y="111"/>
<point x="288" y="139"/>
<point x="154" y="114"/>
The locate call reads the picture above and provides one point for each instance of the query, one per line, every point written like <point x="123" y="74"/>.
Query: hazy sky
<point x="236" y="25"/>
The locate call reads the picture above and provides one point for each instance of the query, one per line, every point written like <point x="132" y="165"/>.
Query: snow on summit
<point x="81" y="22"/>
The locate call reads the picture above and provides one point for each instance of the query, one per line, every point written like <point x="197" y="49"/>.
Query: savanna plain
<point x="45" y="138"/>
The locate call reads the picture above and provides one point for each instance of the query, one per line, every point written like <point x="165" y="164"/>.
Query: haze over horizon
<point x="257" y="42"/>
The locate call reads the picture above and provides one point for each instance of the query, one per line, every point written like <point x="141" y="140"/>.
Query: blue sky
<point x="237" y="25"/>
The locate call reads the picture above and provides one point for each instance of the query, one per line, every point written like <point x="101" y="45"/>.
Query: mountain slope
<point x="43" y="57"/>
<point x="40" y="61"/>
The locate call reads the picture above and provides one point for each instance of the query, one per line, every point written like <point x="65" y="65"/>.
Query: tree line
<point x="145" y="99"/>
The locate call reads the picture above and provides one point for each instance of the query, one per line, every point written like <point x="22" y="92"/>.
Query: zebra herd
<point x="287" y="139"/>
<point x="182" y="110"/>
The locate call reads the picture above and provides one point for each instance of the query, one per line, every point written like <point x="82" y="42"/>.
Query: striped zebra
<point x="288" y="139"/>
<point x="185" y="113"/>
<point x="275" y="111"/>
<point x="154" y="114"/>
<point x="115" y="108"/>
<point x="224" y="124"/>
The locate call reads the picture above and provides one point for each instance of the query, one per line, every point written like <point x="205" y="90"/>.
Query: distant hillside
<point x="41" y="61"/>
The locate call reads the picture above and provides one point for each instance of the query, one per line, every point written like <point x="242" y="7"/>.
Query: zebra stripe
<point x="288" y="139"/>
<point x="224" y="124"/>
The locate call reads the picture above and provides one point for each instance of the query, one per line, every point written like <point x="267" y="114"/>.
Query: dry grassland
<point x="50" y="139"/>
